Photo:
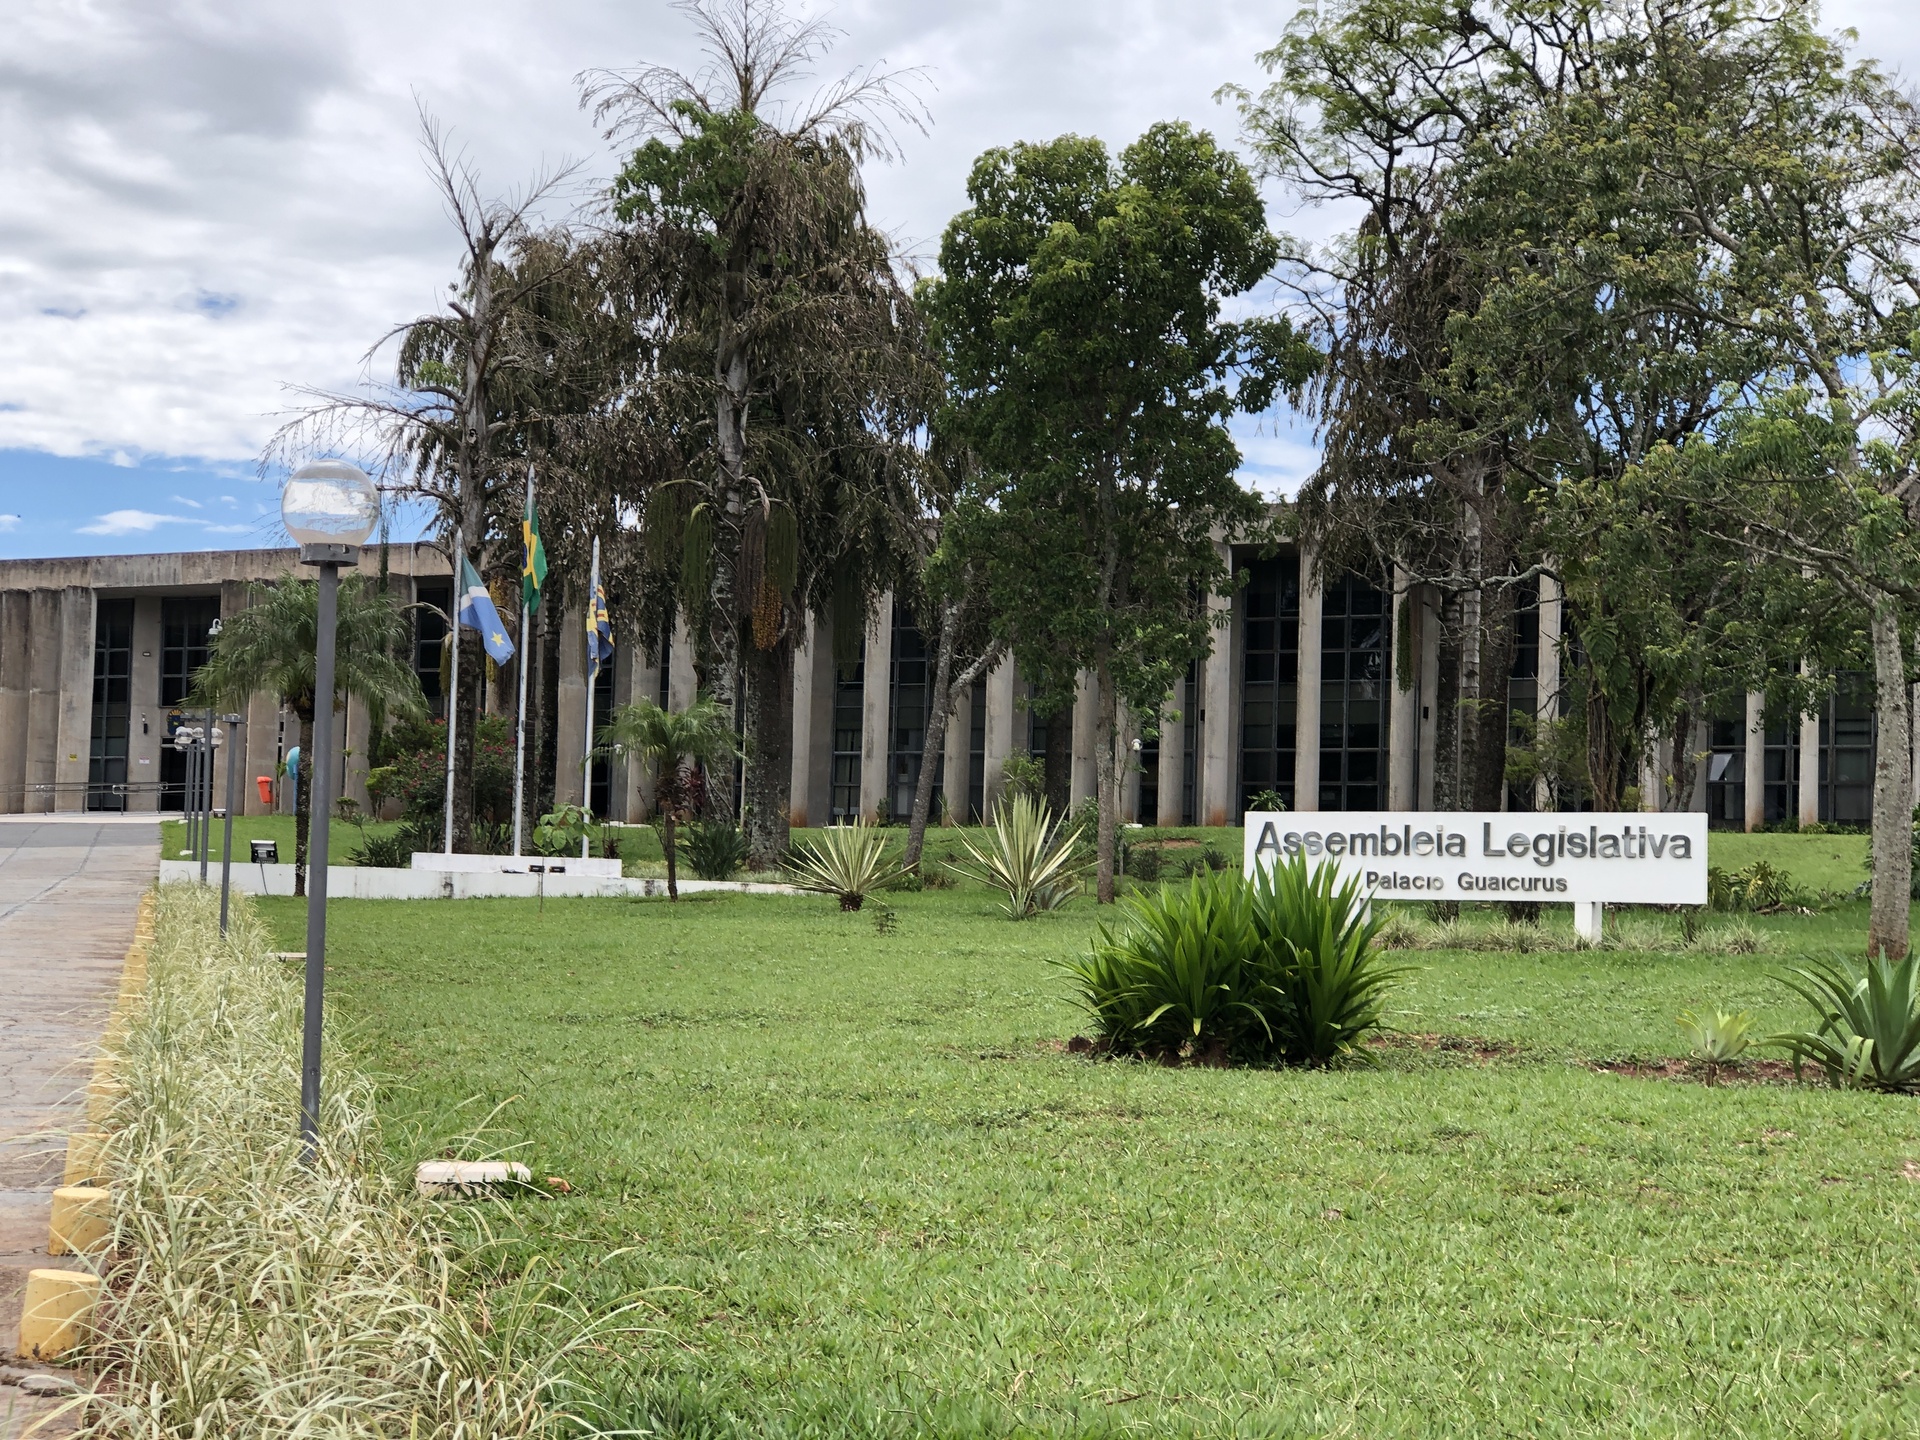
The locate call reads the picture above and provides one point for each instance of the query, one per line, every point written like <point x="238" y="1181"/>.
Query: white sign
<point x="1632" y="859"/>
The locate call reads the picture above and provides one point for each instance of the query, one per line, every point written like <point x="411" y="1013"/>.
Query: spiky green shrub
<point x="1280" y="968"/>
<point x="849" y="862"/>
<point x="1318" y="954"/>
<point x="1720" y="1038"/>
<point x="715" y="849"/>
<point x="1868" y="1035"/>
<point x="1036" y="861"/>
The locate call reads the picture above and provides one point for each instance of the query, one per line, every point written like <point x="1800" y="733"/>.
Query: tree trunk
<point x="1106" y="779"/>
<point x="666" y="843"/>
<point x="1059" y="760"/>
<point x="466" y="699"/>
<point x="1892" y="789"/>
<point x="769" y="765"/>
<point x="1446" y="711"/>
<point x="1490" y="720"/>
<point x="302" y="799"/>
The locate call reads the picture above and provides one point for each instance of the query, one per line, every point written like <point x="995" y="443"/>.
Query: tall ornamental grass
<point x="254" y="1296"/>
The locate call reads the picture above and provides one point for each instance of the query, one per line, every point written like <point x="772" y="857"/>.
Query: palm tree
<point x="270" y="646"/>
<point x="677" y="743"/>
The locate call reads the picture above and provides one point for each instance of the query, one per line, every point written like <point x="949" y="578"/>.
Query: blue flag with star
<point x="477" y="613"/>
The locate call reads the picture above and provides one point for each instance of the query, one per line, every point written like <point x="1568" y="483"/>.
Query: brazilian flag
<point x="533" y="557"/>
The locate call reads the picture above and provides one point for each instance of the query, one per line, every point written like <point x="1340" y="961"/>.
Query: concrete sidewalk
<point x="70" y="889"/>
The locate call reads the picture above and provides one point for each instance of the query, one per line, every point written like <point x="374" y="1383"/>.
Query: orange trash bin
<point x="265" y="782"/>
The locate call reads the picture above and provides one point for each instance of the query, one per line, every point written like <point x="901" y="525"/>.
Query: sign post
<point x="1586" y="860"/>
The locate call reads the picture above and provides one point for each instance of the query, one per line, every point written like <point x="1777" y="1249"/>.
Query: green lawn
<point x="858" y="1190"/>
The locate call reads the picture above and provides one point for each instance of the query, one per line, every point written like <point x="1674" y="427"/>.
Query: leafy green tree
<point x="777" y="349"/>
<point x="271" y="645"/>
<point x="1092" y="378"/>
<point x="678" y="744"/>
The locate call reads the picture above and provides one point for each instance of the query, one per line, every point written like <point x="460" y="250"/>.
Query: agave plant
<point x="1319" y="958"/>
<point x="848" y="861"/>
<point x="1869" y="1032"/>
<point x="1719" y="1039"/>
<point x="1028" y="855"/>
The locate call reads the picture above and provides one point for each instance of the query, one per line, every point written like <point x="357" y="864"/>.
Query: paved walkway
<point x="69" y="890"/>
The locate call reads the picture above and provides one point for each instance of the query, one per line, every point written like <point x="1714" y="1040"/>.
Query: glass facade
<point x="429" y="631"/>
<point x="1847" y="736"/>
<point x="907" y="700"/>
<point x="112" y="705"/>
<point x="849" y="703"/>
<point x="1354" y="663"/>
<point x="977" y="755"/>
<point x="1269" y="679"/>
<point x="186" y="621"/>
<point x="600" y="798"/>
<point x="1523" y="680"/>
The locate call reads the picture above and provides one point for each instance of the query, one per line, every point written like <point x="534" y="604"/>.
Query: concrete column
<point x="76" y="698"/>
<point x="146" y="721"/>
<point x="1547" y="696"/>
<point x="799" y="798"/>
<point x="876" y="718"/>
<point x="1128" y="759"/>
<point x="1809" y="765"/>
<point x="999" y="737"/>
<point x="1756" y="771"/>
<point x="1429" y="687"/>
<point x="359" y="738"/>
<point x="1219" y="725"/>
<point x="1173" y="752"/>
<point x="43" y="698"/>
<point x="1086" y="695"/>
<point x="571" y="714"/>
<point x="1403" y="725"/>
<point x="16" y="640"/>
<point x="634" y="782"/>
<point x="1306" y="726"/>
<point x="263" y="751"/>
<point x="682" y="684"/>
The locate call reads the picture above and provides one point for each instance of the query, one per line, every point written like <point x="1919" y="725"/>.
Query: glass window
<point x="849" y="704"/>
<point x="1269" y="678"/>
<point x="1353" y="699"/>
<point x="429" y="633"/>
<point x="112" y="705"/>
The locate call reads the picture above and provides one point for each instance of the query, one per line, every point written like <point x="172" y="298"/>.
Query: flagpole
<point x="593" y="650"/>
<point x="453" y="681"/>
<point x="520" y="718"/>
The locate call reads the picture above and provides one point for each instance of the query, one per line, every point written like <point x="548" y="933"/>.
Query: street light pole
<point x="321" y="788"/>
<point x="329" y="508"/>
<point x="226" y="841"/>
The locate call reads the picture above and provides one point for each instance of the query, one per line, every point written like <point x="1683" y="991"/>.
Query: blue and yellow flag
<point x="599" y="632"/>
<point x="476" y="612"/>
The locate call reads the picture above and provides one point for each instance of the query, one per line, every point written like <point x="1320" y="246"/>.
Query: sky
<point x="214" y="206"/>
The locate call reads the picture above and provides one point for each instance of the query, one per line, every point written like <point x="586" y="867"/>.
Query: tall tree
<point x="451" y="425"/>
<point x="270" y="646"/>
<point x="787" y="358"/>
<point x="1078" y="313"/>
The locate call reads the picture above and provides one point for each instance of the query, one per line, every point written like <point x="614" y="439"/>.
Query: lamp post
<point x="226" y="841"/>
<point x="329" y="508"/>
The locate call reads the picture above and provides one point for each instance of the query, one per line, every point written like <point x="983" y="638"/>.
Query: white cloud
<point x="131" y="522"/>
<point x="209" y="201"/>
<point x="183" y="500"/>
<point x="8" y="522"/>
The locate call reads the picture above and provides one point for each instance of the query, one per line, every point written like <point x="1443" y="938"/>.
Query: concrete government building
<point x="1299" y="695"/>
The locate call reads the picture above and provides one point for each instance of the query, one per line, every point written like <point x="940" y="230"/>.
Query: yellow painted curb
<point x="55" y="1312"/>
<point x="86" y="1157"/>
<point x="82" y="1219"/>
<point x="102" y="1095"/>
